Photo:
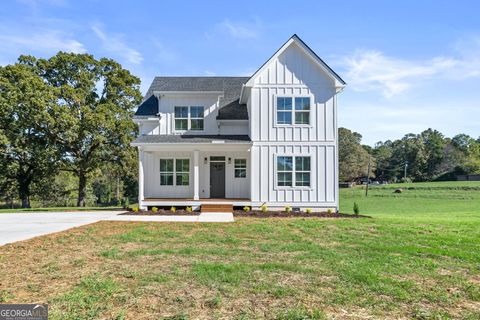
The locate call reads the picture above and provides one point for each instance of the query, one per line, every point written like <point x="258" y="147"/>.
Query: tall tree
<point x="95" y="103"/>
<point x="352" y="156"/>
<point x="27" y="156"/>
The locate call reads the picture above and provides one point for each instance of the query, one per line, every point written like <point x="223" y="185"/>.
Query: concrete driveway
<point x="22" y="226"/>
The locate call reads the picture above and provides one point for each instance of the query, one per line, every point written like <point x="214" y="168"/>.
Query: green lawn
<point x="418" y="257"/>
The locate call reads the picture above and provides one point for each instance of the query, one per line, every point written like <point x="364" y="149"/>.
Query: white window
<point x="293" y="110"/>
<point x="189" y="118"/>
<point x="178" y="168"/>
<point x="182" y="172"/>
<point x="240" y="168"/>
<point x="166" y="172"/>
<point x="196" y="118"/>
<point x="293" y="171"/>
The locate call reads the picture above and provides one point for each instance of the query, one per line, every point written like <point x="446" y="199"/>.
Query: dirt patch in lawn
<point x="293" y="214"/>
<point x="162" y="213"/>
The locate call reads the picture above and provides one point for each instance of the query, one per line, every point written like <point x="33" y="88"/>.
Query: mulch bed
<point x="162" y="213"/>
<point x="284" y="214"/>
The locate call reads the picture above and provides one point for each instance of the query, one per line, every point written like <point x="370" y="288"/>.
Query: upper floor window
<point x="293" y="171"/>
<point x="189" y="118"/>
<point x="293" y="110"/>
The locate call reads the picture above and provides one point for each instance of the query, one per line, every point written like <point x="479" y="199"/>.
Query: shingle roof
<point x="149" y="107"/>
<point x="191" y="139"/>
<point x="231" y="87"/>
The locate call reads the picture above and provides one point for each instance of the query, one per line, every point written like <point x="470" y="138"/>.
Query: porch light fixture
<point x="205" y="160"/>
<point x="229" y="160"/>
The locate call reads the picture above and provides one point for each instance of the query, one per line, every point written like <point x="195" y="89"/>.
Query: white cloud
<point x="48" y="41"/>
<point x="240" y="31"/>
<point x="115" y="44"/>
<point x="209" y="73"/>
<point x="368" y="70"/>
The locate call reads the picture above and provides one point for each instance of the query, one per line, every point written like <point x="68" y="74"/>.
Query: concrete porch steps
<point x="219" y="207"/>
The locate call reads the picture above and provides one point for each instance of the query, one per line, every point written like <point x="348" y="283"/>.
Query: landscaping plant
<point x="356" y="209"/>
<point x="189" y="209"/>
<point x="264" y="208"/>
<point x="288" y="209"/>
<point x="308" y="210"/>
<point x="154" y="209"/>
<point x="246" y="208"/>
<point x="173" y="209"/>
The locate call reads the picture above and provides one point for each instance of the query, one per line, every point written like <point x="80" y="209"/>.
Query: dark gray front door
<point x="217" y="180"/>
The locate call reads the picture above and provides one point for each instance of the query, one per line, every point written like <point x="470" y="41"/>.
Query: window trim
<point x="294" y="171"/>
<point x="293" y="96"/>
<point x="189" y="119"/>
<point x="235" y="168"/>
<point x="174" y="172"/>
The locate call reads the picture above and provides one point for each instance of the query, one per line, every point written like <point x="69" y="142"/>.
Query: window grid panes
<point x="196" y="118"/>
<point x="296" y="111"/>
<point x="240" y="168"/>
<point x="181" y="118"/>
<point x="189" y="118"/>
<point x="166" y="172"/>
<point x="302" y="171"/>
<point x="284" y="171"/>
<point x="174" y="168"/>
<point x="293" y="171"/>
<point x="182" y="172"/>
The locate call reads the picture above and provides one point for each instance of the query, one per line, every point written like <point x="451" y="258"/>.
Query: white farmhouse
<point x="243" y="141"/>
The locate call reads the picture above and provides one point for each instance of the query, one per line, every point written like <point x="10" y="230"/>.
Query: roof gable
<point x="307" y="51"/>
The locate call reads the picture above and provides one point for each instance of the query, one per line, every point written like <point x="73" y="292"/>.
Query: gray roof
<point x="191" y="139"/>
<point x="231" y="87"/>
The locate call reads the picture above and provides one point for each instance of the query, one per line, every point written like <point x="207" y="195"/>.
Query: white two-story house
<point x="246" y="141"/>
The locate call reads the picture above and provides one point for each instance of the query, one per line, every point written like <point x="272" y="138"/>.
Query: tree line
<point x="65" y="127"/>
<point x="426" y="156"/>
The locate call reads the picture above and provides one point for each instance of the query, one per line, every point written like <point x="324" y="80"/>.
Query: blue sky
<point x="409" y="65"/>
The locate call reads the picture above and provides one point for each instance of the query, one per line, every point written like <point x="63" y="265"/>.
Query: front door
<point x="217" y="179"/>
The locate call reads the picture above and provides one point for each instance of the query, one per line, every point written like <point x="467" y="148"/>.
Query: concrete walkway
<point x="22" y="226"/>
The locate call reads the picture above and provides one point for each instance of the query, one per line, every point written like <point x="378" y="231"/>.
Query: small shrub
<point x="173" y="209"/>
<point x="264" y="208"/>
<point x="135" y="209"/>
<point x="288" y="209"/>
<point x="356" y="208"/>
<point x="126" y="203"/>
<point x="308" y="210"/>
<point x="189" y="209"/>
<point x="246" y="208"/>
<point x="330" y="211"/>
<point x="154" y="209"/>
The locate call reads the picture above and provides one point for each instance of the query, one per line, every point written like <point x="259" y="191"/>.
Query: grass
<point x="62" y="209"/>
<point x="417" y="258"/>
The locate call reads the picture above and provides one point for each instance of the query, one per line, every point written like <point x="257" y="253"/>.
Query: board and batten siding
<point x="234" y="187"/>
<point x="322" y="191"/>
<point x="294" y="74"/>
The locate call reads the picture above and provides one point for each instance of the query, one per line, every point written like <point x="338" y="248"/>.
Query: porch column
<point x="196" y="182"/>
<point x="140" y="179"/>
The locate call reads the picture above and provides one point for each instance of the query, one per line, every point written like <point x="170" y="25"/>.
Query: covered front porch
<point x="194" y="174"/>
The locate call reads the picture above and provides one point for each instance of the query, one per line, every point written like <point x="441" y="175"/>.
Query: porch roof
<point x="203" y="139"/>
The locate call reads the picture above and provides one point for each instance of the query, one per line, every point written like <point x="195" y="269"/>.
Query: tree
<point x="27" y="156"/>
<point x="353" y="158"/>
<point x="95" y="103"/>
<point x="434" y="145"/>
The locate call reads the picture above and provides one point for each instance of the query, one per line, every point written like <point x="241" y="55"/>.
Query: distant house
<point x="270" y="138"/>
